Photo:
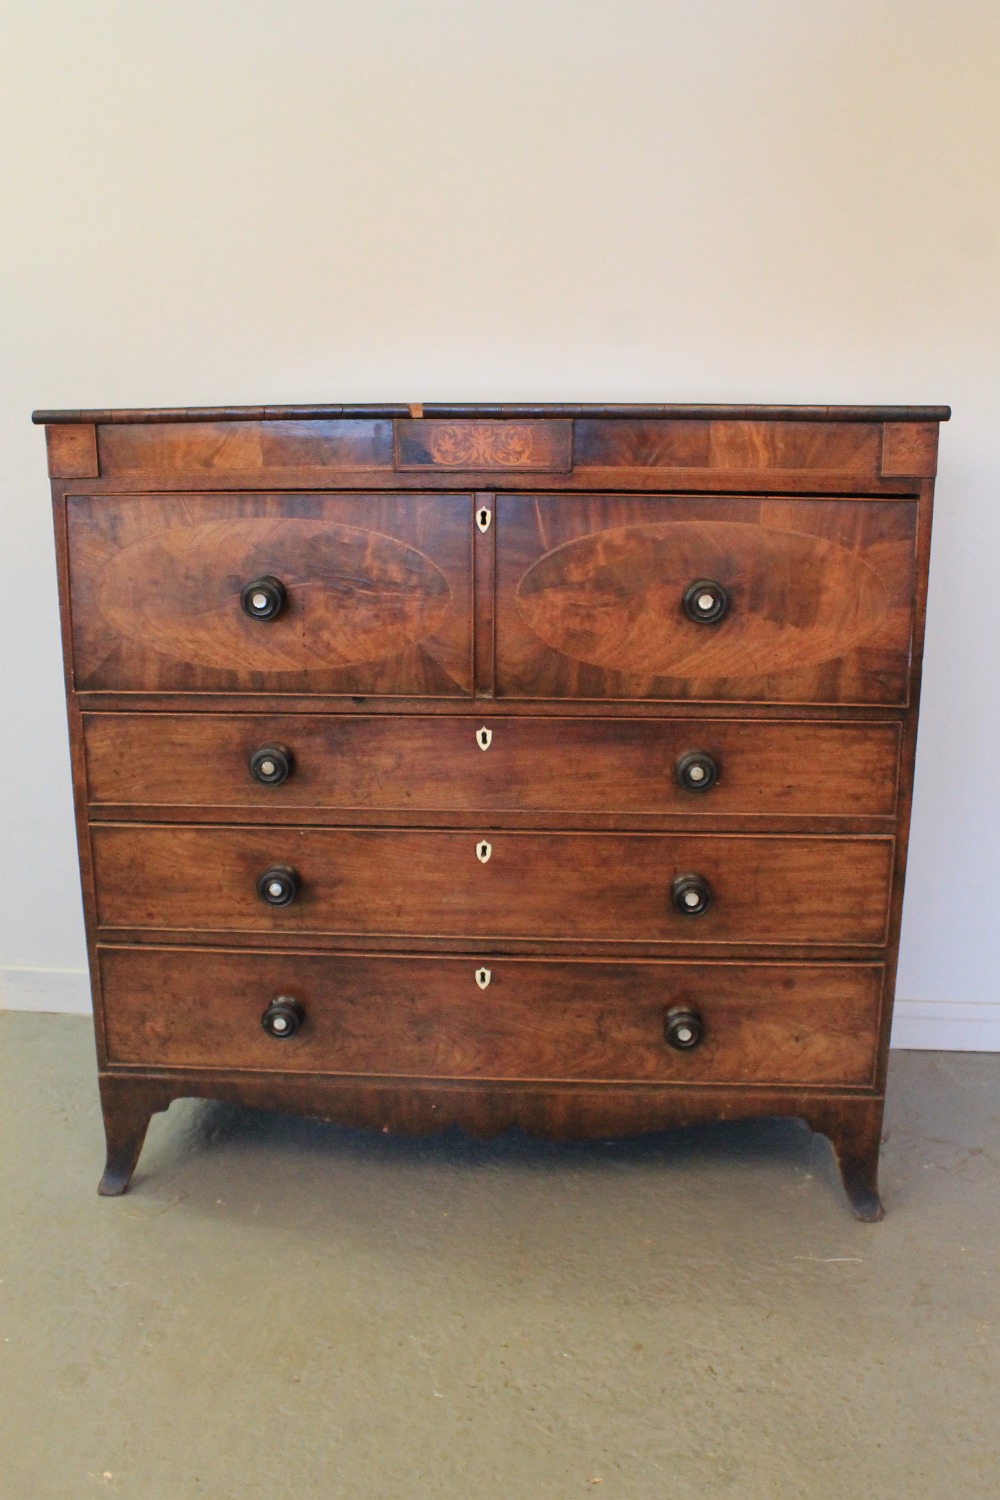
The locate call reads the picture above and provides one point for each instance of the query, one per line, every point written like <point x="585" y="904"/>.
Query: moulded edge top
<point x="452" y="411"/>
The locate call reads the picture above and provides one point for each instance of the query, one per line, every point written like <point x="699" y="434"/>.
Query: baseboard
<point x="946" y="1025"/>
<point x="925" y="1025"/>
<point x="63" y="991"/>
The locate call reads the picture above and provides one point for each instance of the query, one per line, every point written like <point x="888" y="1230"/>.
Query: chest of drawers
<point x="546" y="766"/>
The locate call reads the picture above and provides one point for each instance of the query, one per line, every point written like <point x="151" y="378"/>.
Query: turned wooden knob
<point x="271" y="765"/>
<point x="278" y="885"/>
<point x="697" y="771"/>
<point x="283" y="1017"/>
<point x="705" y="601"/>
<point x="683" y="1028"/>
<point x="691" y="895"/>
<point x="264" y="598"/>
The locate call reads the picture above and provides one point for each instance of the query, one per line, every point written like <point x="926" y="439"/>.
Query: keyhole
<point x="484" y="737"/>
<point x="483" y="519"/>
<point x="483" y="851"/>
<point x="483" y="977"/>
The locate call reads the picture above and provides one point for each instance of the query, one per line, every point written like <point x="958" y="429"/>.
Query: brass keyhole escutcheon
<point x="483" y="851"/>
<point x="484" y="738"/>
<point x="483" y="977"/>
<point x="483" y="518"/>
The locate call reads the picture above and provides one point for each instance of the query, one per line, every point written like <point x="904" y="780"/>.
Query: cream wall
<point x="759" y="200"/>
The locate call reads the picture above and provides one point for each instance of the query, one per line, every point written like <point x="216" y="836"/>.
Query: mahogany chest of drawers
<point x="495" y="765"/>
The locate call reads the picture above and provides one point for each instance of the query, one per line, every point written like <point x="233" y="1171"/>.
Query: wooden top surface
<point x="514" y="410"/>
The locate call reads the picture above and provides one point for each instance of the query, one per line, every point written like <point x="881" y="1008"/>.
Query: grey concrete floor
<point x="285" y="1309"/>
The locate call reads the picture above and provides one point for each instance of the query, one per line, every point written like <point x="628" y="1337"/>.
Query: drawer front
<point x="816" y="604"/>
<point x="493" y="764"/>
<point x="519" y="1019"/>
<point x="482" y="884"/>
<point x="377" y="593"/>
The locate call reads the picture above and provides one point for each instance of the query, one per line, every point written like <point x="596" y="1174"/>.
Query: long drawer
<point x="452" y="764"/>
<point x="495" y="1018"/>
<point x="482" y="883"/>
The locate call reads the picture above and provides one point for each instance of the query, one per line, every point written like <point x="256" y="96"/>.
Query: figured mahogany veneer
<point x="821" y="598"/>
<point x="447" y="670"/>
<point x="379" y="593"/>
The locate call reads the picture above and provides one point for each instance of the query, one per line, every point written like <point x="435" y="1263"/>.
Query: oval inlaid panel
<point x="612" y="599"/>
<point x="353" y="595"/>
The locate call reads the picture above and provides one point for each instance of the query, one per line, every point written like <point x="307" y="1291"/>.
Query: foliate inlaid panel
<point x="542" y="447"/>
<point x="590" y="598"/>
<point x="377" y="593"/>
<point x="535" y="1019"/>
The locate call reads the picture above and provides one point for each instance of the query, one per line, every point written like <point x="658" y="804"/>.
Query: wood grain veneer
<point x="565" y="887"/>
<point x="414" y="1016"/>
<point x="436" y="764"/>
<point x="821" y="598"/>
<point x="379" y="593"/>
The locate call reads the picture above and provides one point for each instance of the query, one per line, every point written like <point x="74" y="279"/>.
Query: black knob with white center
<point x="271" y="765"/>
<point x="283" y="1017"/>
<point x="683" y="1028"/>
<point x="264" y="598"/>
<point x="279" y="885"/>
<point x="705" y="601"/>
<point x="691" y="895"/>
<point x="697" y="771"/>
